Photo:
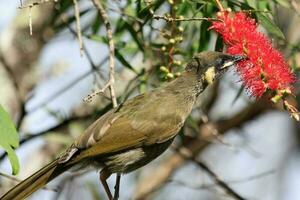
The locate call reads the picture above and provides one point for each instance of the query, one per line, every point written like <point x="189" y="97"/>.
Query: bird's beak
<point x="237" y="58"/>
<point x="233" y="60"/>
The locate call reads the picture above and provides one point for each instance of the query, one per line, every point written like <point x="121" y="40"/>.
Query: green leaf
<point x="283" y="3"/>
<point x="9" y="139"/>
<point x="192" y="123"/>
<point x="238" y="95"/>
<point x="252" y="3"/>
<point x="69" y="20"/>
<point x="269" y="25"/>
<point x="263" y="5"/>
<point x="204" y="36"/>
<point x="134" y="35"/>
<point x="219" y="44"/>
<point x="121" y="58"/>
<point x="97" y="24"/>
<point x="118" y="54"/>
<point x="98" y="38"/>
<point x="145" y="12"/>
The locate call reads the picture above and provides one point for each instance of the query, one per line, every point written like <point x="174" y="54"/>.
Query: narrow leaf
<point x="70" y="20"/>
<point x="284" y="3"/>
<point x="270" y="26"/>
<point x="97" y="24"/>
<point x="238" y="95"/>
<point x="9" y="139"/>
<point x="98" y="38"/>
<point x="135" y="36"/>
<point x="121" y="58"/>
<point x="252" y="3"/>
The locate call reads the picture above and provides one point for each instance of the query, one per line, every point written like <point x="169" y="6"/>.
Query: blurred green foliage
<point x="167" y="45"/>
<point x="9" y="139"/>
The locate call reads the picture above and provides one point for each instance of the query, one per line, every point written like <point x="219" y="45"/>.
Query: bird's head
<point x="211" y="64"/>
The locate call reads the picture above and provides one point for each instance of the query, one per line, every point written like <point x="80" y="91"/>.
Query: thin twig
<point x="88" y="55"/>
<point x="78" y="27"/>
<point x="37" y="3"/>
<point x="187" y="154"/>
<point x="94" y="68"/>
<point x="89" y="97"/>
<point x="13" y="78"/>
<point x="30" y="20"/>
<point x="30" y="6"/>
<point x="149" y="3"/>
<point x="111" y="80"/>
<point x="179" y="19"/>
<point x="18" y="180"/>
<point x="9" y="177"/>
<point x="63" y="89"/>
<point x="220" y="6"/>
<point x="210" y="185"/>
<point x="8" y="69"/>
<point x="67" y="181"/>
<point x="215" y="131"/>
<point x="182" y="19"/>
<point x="295" y="6"/>
<point x="124" y="14"/>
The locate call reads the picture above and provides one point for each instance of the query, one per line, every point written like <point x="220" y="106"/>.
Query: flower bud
<point x="172" y="41"/>
<point x="170" y="75"/>
<point x="179" y="39"/>
<point x="177" y="74"/>
<point x="177" y="62"/>
<point x="171" y="2"/>
<point x="164" y="69"/>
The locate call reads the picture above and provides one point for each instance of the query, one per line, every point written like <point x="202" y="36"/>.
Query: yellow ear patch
<point x="210" y="74"/>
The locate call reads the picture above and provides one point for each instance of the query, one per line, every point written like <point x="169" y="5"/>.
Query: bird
<point x="135" y="132"/>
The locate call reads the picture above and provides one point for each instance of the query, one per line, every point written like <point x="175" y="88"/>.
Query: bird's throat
<point x="188" y="84"/>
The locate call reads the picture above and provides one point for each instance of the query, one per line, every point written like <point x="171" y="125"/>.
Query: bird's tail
<point x="36" y="181"/>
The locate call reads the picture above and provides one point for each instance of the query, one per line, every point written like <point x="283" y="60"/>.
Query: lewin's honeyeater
<point x="137" y="131"/>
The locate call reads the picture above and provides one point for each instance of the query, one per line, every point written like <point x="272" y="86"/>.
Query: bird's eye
<point x="219" y="63"/>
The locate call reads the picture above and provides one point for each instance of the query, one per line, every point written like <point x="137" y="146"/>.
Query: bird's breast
<point x="130" y="160"/>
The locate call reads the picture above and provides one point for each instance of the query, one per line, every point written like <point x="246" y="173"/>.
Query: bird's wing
<point x="127" y="127"/>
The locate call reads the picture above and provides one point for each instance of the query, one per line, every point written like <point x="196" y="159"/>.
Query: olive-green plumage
<point x="137" y="131"/>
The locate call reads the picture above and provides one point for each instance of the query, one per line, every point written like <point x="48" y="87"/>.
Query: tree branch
<point x="78" y="27"/>
<point x="220" y="6"/>
<point x="13" y="178"/>
<point x="188" y="155"/>
<point x="66" y="87"/>
<point x="235" y="181"/>
<point x="22" y="111"/>
<point x="111" y="80"/>
<point x="182" y="19"/>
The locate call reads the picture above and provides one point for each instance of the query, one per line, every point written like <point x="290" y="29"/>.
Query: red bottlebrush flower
<point x="265" y="68"/>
